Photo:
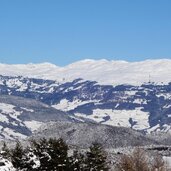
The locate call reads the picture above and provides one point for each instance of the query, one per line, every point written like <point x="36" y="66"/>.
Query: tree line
<point x="55" y="155"/>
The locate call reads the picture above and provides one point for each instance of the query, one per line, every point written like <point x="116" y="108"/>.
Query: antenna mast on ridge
<point x="149" y="78"/>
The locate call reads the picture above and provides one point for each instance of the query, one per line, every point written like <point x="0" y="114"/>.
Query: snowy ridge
<point x="145" y="108"/>
<point x="103" y="71"/>
<point x="129" y="94"/>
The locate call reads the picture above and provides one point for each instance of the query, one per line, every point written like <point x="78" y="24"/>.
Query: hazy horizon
<point x="88" y="59"/>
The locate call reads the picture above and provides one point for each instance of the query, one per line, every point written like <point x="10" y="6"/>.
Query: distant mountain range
<point x="116" y="93"/>
<point x="103" y="71"/>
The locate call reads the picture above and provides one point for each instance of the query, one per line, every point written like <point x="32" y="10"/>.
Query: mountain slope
<point x="130" y="94"/>
<point x="19" y="117"/>
<point x="145" y="108"/>
<point x="82" y="135"/>
<point x="102" y="71"/>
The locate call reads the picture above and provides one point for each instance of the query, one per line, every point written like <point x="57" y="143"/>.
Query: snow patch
<point x="120" y="117"/>
<point x="33" y="125"/>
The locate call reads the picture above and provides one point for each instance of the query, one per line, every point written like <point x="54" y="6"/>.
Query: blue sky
<point x="64" y="31"/>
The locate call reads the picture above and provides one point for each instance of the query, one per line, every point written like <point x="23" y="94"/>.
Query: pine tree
<point x="5" y="151"/>
<point x="30" y="160"/>
<point x="77" y="161"/>
<point x="59" y="154"/>
<point x="52" y="153"/>
<point x="96" y="158"/>
<point x="40" y="149"/>
<point x="17" y="156"/>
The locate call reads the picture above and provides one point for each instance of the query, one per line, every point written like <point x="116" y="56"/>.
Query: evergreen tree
<point x="17" y="156"/>
<point x="30" y="161"/>
<point x="52" y="153"/>
<point x="96" y="159"/>
<point x="58" y="150"/>
<point x="40" y="149"/>
<point x="5" y="151"/>
<point x="77" y="161"/>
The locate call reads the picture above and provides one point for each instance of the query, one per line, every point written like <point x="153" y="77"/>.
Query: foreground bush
<point x="138" y="160"/>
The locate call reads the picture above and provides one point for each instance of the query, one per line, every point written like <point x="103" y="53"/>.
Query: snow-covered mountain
<point x="145" y="107"/>
<point x="103" y="71"/>
<point x="23" y="117"/>
<point x="20" y="117"/>
<point x="116" y="93"/>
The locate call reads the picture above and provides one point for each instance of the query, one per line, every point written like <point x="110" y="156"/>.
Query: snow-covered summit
<point x="103" y="71"/>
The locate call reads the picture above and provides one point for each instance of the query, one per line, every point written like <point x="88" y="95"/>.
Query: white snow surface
<point x="33" y="125"/>
<point x="120" y="117"/>
<point x="7" y="165"/>
<point x="66" y="105"/>
<point x="167" y="160"/>
<point x="102" y="71"/>
<point x="8" y="110"/>
<point x="117" y="117"/>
